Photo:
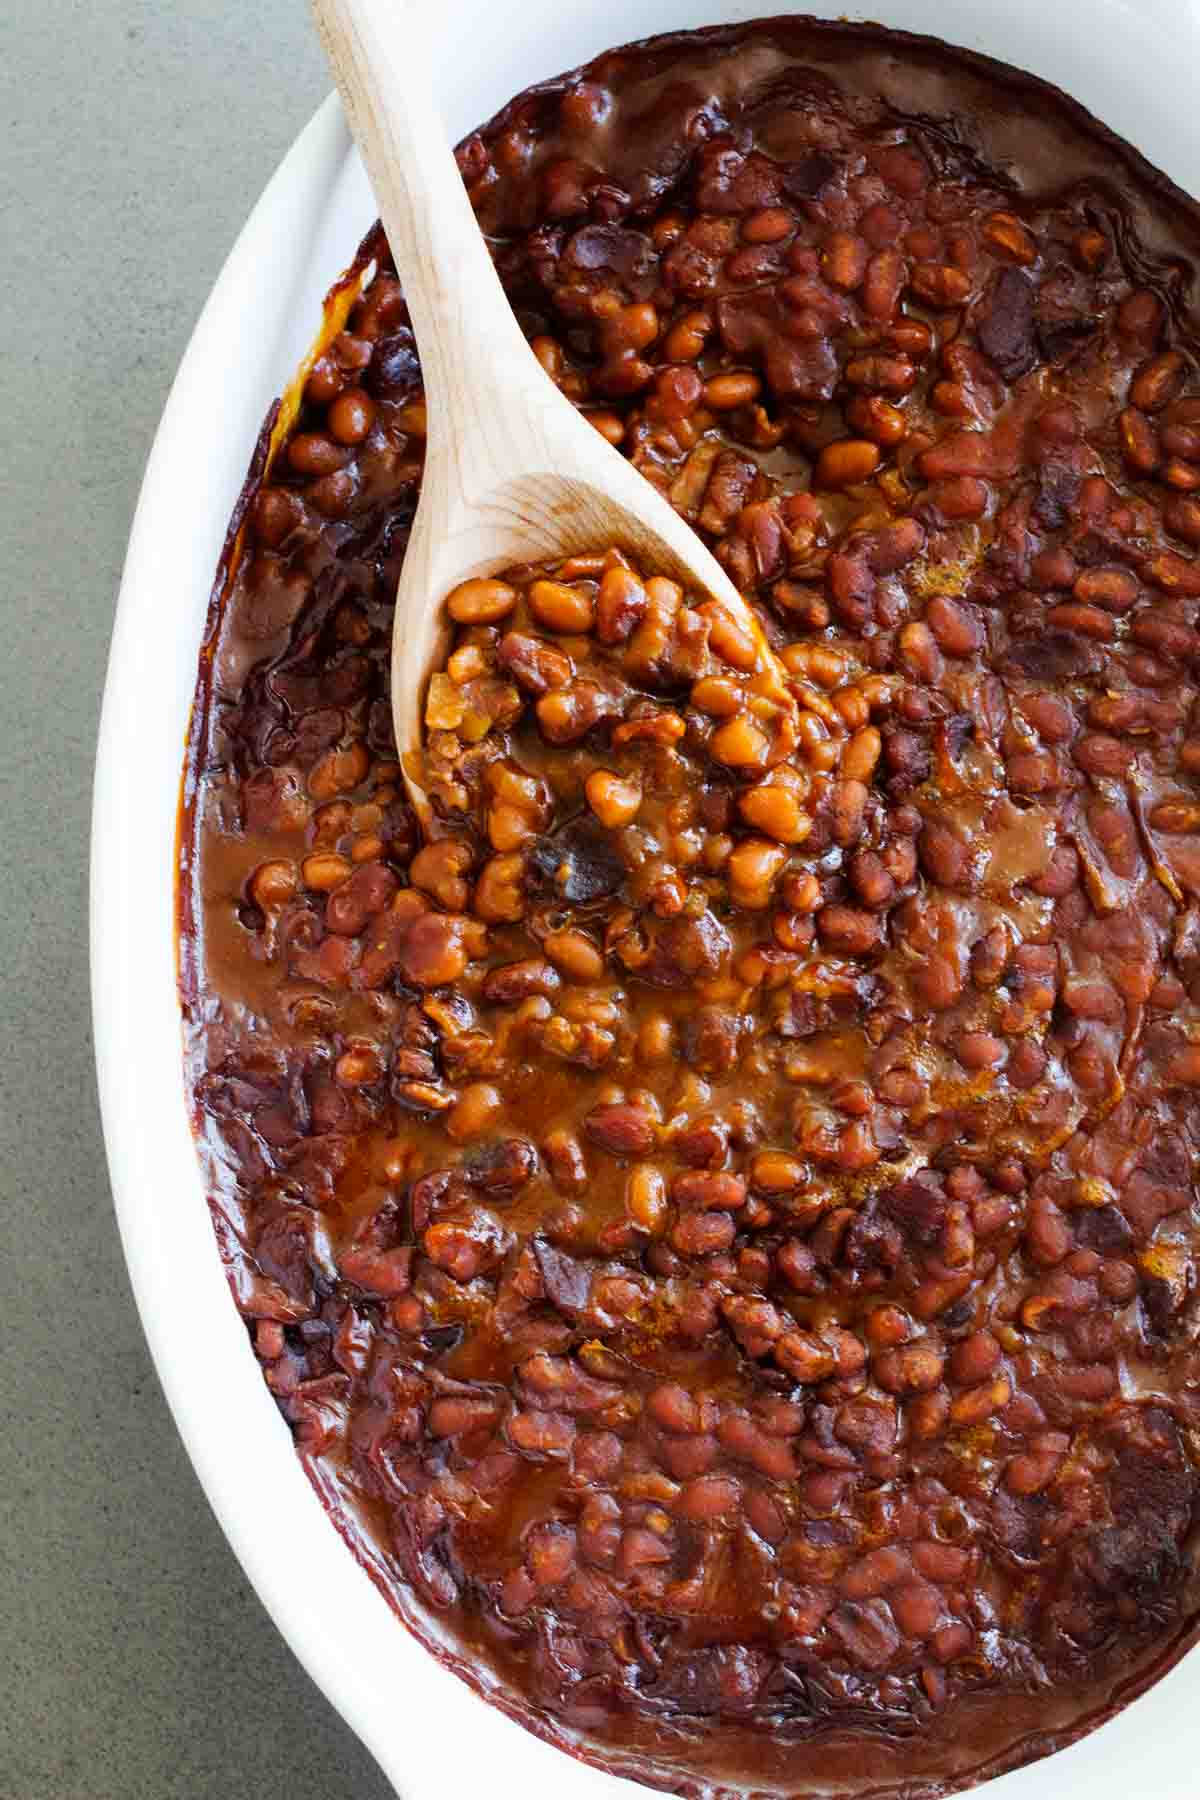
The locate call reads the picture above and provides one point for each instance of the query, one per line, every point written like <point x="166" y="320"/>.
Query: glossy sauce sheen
<point x="720" y="1219"/>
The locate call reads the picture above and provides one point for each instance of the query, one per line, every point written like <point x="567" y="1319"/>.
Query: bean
<point x="1182" y="516"/>
<point x="723" y="393"/>
<point x="615" y="801"/>
<point x="686" y="339"/>
<point x="769" y="225"/>
<point x="844" y="260"/>
<point x="940" y="284"/>
<point x="621" y="603"/>
<point x="314" y="454"/>
<point x="325" y="871"/>
<point x="956" y="629"/>
<point x="702" y="1233"/>
<point x="976" y="1404"/>
<point x="877" y="420"/>
<point x="888" y="1325"/>
<point x="1113" y="589"/>
<point x="847" y="929"/>
<point x="574" y="953"/>
<point x="610" y="425"/>
<point x="928" y="1415"/>
<point x="846" y="463"/>
<point x="273" y="884"/>
<point x="277" y="513"/>
<point x="339" y="772"/>
<point x="646" y="1198"/>
<point x="775" y="809"/>
<point x="740" y="744"/>
<point x="861" y="755"/>
<point x="1004" y="234"/>
<point x="1086" y="621"/>
<point x="912" y="1369"/>
<point x="351" y="416"/>
<point x="1158" y="382"/>
<point x="559" y="607"/>
<point x="1138" y="441"/>
<point x="499" y="893"/>
<point x="481" y="601"/>
<point x="440" y="869"/>
<point x="1099" y="754"/>
<point x="709" y="1497"/>
<point x="893" y="375"/>
<point x="919" y="653"/>
<point x="883" y="283"/>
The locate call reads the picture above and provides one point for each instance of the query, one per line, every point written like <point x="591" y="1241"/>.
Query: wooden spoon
<point x="513" y="473"/>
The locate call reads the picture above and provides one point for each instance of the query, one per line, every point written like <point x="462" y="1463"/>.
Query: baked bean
<point x="351" y="416"/>
<point x="621" y="603"/>
<point x="1158" y="382"/>
<point x="274" y="884"/>
<point x="339" y="772"/>
<point x="861" y="754"/>
<point x="687" y="337"/>
<point x="740" y="744"/>
<point x="500" y="892"/>
<point x="847" y="929"/>
<point x="440" y="869"/>
<point x="610" y="425"/>
<point x="954" y="627"/>
<point x="559" y="607"/>
<point x="277" y="513"/>
<point x="313" y="454"/>
<point x="646" y="1198"/>
<point x="473" y="1112"/>
<point x="481" y="601"/>
<point x="881" y="374"/>
<point x="728" y="639"/>
<point x="575" y="954"/>
<point x="919" y="652"/>
<point x="888" y="1325"/>
<point x="702" y="1233"/>
<point x="614" y="801"/>
<point x="1182" y="516"/>
<point x="723" y="393"/>
<point x="752" y="869"/>
<point x="768" y="226"/>
<point x="846" y="463"/>
<point x="775" y="809"/>
<point x="939" y="284"/>
<point x="1113" y="589"/>
<point x="910" y="1369"/>
<point x="928" y="1415"/>
<point x="1138" y="441"/>
<point x="325" y="871"/>
<point x="1004" y="234"/>
<point x="837" y="1260"/>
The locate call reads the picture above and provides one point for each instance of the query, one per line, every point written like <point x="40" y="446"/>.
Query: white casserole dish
<point x="1132" y="62"/>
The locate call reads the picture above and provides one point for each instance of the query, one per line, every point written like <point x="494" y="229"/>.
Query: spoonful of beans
<point x="514" y="474"/>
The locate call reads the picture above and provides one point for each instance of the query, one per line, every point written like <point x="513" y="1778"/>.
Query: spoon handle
<point x="469" y="340"/>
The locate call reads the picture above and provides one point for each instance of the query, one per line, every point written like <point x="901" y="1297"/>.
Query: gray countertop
<point x="134" y="1660"/>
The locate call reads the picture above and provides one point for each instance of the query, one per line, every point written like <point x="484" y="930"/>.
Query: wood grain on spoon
<point x="513" y="473"/>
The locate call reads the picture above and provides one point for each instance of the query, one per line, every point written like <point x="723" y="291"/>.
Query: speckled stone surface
<point x="135" y="1663"/>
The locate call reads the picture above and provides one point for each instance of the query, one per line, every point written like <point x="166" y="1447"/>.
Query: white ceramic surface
<point x="1133" y="62"/>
